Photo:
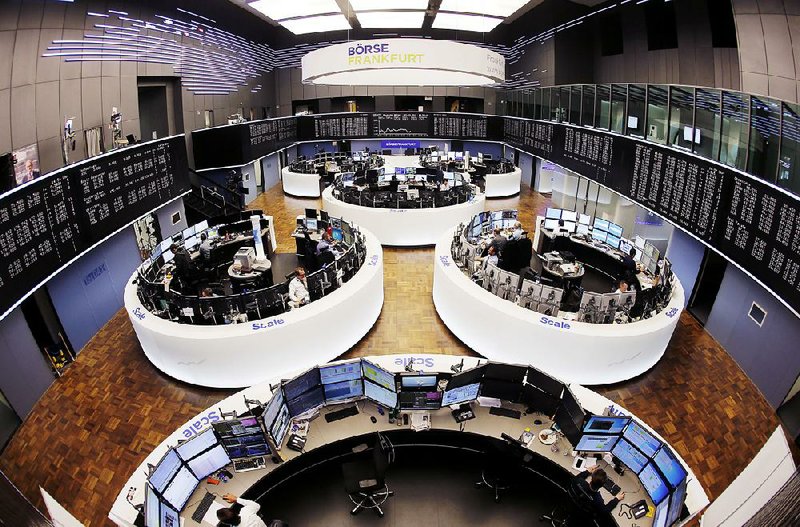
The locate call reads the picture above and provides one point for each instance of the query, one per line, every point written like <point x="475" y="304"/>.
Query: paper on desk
<point x="211" y="516"/>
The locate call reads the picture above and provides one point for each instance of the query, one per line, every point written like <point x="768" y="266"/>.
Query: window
<point x="762" y="158"/>
<point x="681" y="125"/>
<point x="789" y="163"/>
<point x="634" y="125"/>
<point x="735" y="117"/>
<point x="619" y="95"/>
<point x="546" y="104"/>
<point x="527" y="107"/>
<point x="587" y="119"/>
<point x="707" y="122"/>
<point x="657" y="114"/>
<point x="575" y="105"/>
<point x="602" y="106"/>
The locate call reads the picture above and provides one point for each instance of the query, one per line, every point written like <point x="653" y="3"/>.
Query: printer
<point x="245" y="257"/>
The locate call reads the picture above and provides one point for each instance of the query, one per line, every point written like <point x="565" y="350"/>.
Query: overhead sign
<point x="399" y="144"/>
<point x="404" y="62"/>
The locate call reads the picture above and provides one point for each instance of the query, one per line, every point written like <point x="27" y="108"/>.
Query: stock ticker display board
<point x="401" y="124"/>
<point x="48" y="222"/>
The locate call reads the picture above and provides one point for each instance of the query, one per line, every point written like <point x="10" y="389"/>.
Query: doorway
<point x="709" y="280"/>
<point x="160" y="107"/>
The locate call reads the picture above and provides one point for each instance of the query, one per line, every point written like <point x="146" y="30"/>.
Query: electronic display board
<point x="460" y="126"/>
<point x="401" y="124"/>
<point x="339" y="126"/>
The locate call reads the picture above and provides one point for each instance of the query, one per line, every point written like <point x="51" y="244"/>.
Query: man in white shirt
<point x="246" y="516"/>
<point x="517" y="233"/>
<point x="298" y="289"/>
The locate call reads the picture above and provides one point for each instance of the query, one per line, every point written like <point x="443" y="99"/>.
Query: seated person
<point x="516" y="234"/>
<point x="205" y="246"/>
<point x="622" y="287"/>
<point x="491" y="257"/>
<point x="325" y="244"/>
<point x="591" y="489"/>
<point x="243" y="513"/>
<point x="183" y="261"/>
<point x="298" y="289"/>
<point x="499" y="241"/>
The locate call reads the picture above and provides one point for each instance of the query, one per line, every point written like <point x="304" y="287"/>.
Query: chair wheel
<point x="497" y="499"/>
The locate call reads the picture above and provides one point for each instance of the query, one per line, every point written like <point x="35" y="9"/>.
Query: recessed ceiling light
<point x="479" y="23"/>
<point x="316" y="24"/>
<point x="502" y="8"/>
<point x="280" y="9"/>
<point x="392" y="19"/>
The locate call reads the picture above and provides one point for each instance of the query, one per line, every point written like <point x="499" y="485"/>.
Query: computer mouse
<point x="372" y="418"/>
<point x="537" y="421"/>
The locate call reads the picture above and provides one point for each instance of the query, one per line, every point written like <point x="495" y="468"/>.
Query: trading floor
<point x="96" y="424"/>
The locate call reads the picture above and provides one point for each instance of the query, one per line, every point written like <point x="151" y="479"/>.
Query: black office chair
<point x="499" y="469"/>
<point x="364" y="479"/>
<point x="580" y="513"/>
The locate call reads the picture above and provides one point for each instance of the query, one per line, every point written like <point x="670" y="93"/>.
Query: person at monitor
<point x="629" y="268"/>
<point x="205" y="246"/>
<point x="591" y="489"/>
<point x="622" y="287"/>
<point x="242" y="513"/>
<point x="325" y="244"/>
<point x="183" y="261"/>
<point x="298" y="289"/>
<point x="499" y="241"/>
<point x="516" y="234"/>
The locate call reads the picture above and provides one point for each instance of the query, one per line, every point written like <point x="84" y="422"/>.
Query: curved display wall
<point x="261" y="338"/>
<point x="569" y="416"/>
<point x="519" y="320"/>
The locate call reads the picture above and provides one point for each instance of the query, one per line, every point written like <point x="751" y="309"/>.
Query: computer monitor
<point x="399" y="171"/>
<point x="569" y="226"/>
<point x="641" y="439"/>
<point x="670" y="467"/>
<point x="461" y="394"/>
<point x="505" y="372"/>
<point x="200" y="227"/>
<point x="584" y="219"/>
<point x="451" y="156"/>
<point x="199" y="443"/>
<point x="676" y="503"/>
<point x="191" y="243"/>
<point x="156" y="253"/>
<point x="169" y="517"/>
<point x="567" y="424"/>
<point x="504" y="390"/>
<point x="276" y="417"/>
<point x="582" y="229"/>
<point x="341" y="391"/>
<point x="596" y="443"/>
<point x="311" y="213"/>
<point x="539" y="401"/>
<point x="601" y="224"/>
<point x="345" y="371"/>
<point x="544" y="382"/>
<point x="417" y="381"/>
<point x="209" y="462"/>
<point x="487" y="157"/>
<point x="601" y="424"/>
<point x="306" y="402"/>
<point x="553" y="214"/>
<point x="380" y="395"/>
<point x="569" y="215"/>
<point x="378" y="375"/>
<point x="311" y="224"/>
<point x="166" y="244"/>
<point x="613" y="241"/>
<point x="337" y="234"/>
<point x="626" y="246"/>
<point x="213" y="232"/>
<point x="651" y="481"/>
<point x="615" y="229"/>
<point x="629" y="455"/>
<point x="152" y="507"/>
<point x="301" y="384"/>
<point x="180" y="488"/>
<point x="420" y="400"/>
<point x="551" y="225"/>
<point x="165" y="470"/>
<point x="471" y="376"/>
<point x="639" y="242"/>
<point x="188" y="233"/>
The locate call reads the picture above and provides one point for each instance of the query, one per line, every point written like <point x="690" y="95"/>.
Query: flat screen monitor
<point x="615" y="229"/>
<point x="191" y="243"/>
<point x="399" y="171"/>
<point x="461" y="394"/>
<point x="209" y="462"/>
<point x="551" y="225"/>
<point x="569" y="226"/>
<point x="653" y="484"/>
<point x="544" y="382"/>
<point x="346" y="371"/>
<point x="311" y="224"/>
<point x="180" y="488"/>
<point x="613" y="241"/>
<point x="357" y="157"/>
<point x="165" y="470"/>
<point x="504" y="390"/>
<point x="601" y="424"/>
<point x="601" y="224"/>
<point x="168" y="256"/>
<point x="459" y="156"/>
<point x="213" y="232"/>
<point x="420" y="400"/>
<point x="378" y="375"/>
<point x="188" y="233"/>
<point x="569" y="215"/>
<point x="301" y="384"/>
<point x="539" y="401"/>
<point x="166" y="244"/>
<point x="553" y="214"/>
<point x="337" y="234"/>
<point x="169" y="517"/>
<point x="417" y="382"/>
<point x="472" y="376"/>
<point x="451" y="156"/>
<point x="639" y="242"/>
<point x="676" y="503"/>
<point x="311" y="213"/>
<point x="197" y="444"/>
<point x="306" y="402"/>
<point x="582" y="229"/>
<point x="584" y="219"/>
<point x="629" y="455"/>
<point x="380" y="395"/>
<point x="670" y="467"/>
<point x="596" y="443"/>
<point x="324" y="216"/>
<point x="156" y="253"/>
<point x="200" y="227"/>
<point x="152" y="507"/>
<point x="566" y="423"/>
<point x="276" y="417"/>
<point x="625" y="245"/>
<point x="505" y="372"/>
<point x="487" y="157"/>
<point x="344" y="390"/>
<point x="642" y="439"/>
<point x="598" y="235"/>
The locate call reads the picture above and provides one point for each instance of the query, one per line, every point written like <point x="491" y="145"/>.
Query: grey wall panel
<point x="48" y="112"/>
<point x="9" y="14"/>
<point x="70" y="99"/>
<point x="5" y="120"/>
<point x="778" y="44"/>
<point x="757" y="83"/>
<point x="23" y="66"/>
<point x="782" y="88"/>
<point x="686" y="255"/>
<point x="71" y="70"/>
<point x="53" y="16"/>
<point x="7" y="39"/>
<point x="794" y="34"/>
<point x="165" y="214"/>
<point x="23" y="116"/>
<point x="376" y="91"/>
<point x="91" y="69"/>
<point x="745" y="6"/>
<point x="129" y="98"/>
<point x="110" y="68"/>
<point x="91" y="109"/>
<point x="30" y="15"/>
<point x="47" y="68"/>
<point x="767" y="7"/>
<point x="50" y="156"/>
<point x="110" y="90"/>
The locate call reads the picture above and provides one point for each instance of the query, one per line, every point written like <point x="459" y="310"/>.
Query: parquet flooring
<point x="97" y="423"/>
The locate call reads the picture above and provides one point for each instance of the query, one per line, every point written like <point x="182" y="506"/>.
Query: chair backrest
<point x="581" y="496"/>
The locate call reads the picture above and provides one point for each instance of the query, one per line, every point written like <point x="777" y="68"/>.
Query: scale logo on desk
<point x="560" y="324"/>
<point x="275" y="322"/>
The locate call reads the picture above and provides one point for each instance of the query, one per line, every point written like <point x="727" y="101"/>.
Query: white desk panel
<point x="503" y="185"/>
<point x="300" y="185"/>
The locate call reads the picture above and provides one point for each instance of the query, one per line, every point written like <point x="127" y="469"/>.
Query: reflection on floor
<point x="97" y="423"/>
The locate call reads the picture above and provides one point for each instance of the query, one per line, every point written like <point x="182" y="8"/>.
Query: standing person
<point x="298" y="289"/>
<point x="243" y="513"/>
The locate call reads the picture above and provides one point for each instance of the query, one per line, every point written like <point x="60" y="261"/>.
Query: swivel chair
<point x="498" y="470"/>
<point x="581" y="512"/>
<point x="364" y="479"/>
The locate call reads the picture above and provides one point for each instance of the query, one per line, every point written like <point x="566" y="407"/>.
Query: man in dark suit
<point x="30" y="174"/>
<point x="590" y="489"/>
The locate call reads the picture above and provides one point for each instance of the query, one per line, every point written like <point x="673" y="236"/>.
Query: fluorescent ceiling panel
<point x="502" y="8"/>
<point x="280" y="9"/>
<point x="481" y="24"/>
<point x="392" y="19"/>
<point x="374" y="5"/>
<point x="316" y="24"/>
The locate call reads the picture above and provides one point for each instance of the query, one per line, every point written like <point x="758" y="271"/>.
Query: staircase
<point x="209" y="199"/>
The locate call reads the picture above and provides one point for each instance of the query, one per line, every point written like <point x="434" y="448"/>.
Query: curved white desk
<point x="300" y="185"/>
<point x="238" y="355"/>
<point x="403" y="227"/>
<point x="124" y="515"/>
<point x="503" y="185"/>
<point x="574" y="351"/>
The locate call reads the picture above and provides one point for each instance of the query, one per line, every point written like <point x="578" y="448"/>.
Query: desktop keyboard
<point x="245" y="465"/>
<point x="202" y="509"/>
<point x="350" y="411"/>
<point x="505" y="412"/>
<point x="611" y="487"/>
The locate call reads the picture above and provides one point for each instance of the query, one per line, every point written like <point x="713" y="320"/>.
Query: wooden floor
<point x="97" y="423"/>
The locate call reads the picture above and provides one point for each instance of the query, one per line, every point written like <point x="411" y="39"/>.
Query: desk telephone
<point x="463" y="413"/>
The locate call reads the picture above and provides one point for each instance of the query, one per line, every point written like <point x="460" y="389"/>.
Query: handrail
<point x="234" y="198"/>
